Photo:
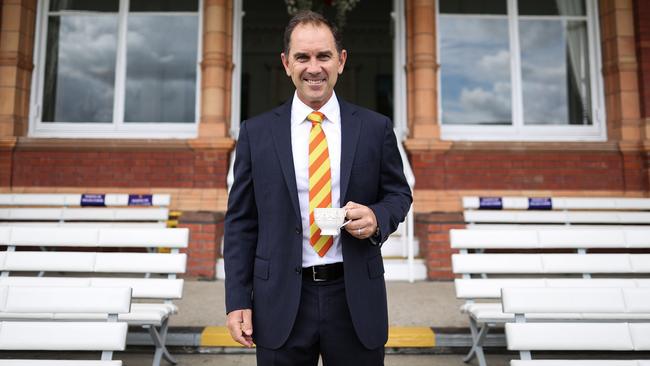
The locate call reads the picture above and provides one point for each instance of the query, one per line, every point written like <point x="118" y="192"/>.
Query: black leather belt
<point x="325" y="272"/>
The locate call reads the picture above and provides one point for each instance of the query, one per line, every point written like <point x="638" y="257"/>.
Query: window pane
<point x="80" y="69"/>
<point x="555" y="72"/>
<point x="475" y="71"/>
<point x="161" y="79"/>
<point x="94" y="5"/>
<point x="552" y="7"/>
<point x="473" y="7"/>
<point x="164" y="5"/>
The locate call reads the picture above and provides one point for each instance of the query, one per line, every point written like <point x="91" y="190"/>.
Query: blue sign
<point x="490" y="203"/>
<point x="140" y="200"/>
<point x="93" y="200"/>
<point x="540" y="203"/>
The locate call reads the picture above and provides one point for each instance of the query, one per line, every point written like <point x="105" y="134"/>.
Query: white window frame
<point x="518" y="131"/>
<point x="118" y="128"/>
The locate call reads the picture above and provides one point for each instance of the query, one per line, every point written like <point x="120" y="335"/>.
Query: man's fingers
<point x="240" y="326"/>
<point x="247" y="322"/>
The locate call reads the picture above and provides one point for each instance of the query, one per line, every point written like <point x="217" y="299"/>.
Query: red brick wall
<point x="175" y="169"/>
<point x="432" y="230"/>
<point x="557" y="170"/>
<point x="206" y="231"/>
<point x="5" y="168"/>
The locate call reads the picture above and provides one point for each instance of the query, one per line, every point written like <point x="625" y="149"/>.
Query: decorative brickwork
<point x="530" y="170"/>
<point x="174" y="169"/>
<point x="432" y="230"/>
<point x="206" y="231"/>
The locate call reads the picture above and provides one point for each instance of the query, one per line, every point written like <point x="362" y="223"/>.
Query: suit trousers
<point x="323" y="327"/>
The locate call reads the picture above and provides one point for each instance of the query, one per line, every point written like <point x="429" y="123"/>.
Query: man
<point x="296" y="293"/>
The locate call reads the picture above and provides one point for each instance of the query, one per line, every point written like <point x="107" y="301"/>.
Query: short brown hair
<point x="310" y="17"/>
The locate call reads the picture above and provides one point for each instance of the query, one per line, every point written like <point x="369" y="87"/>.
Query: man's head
<point x="312" y="57"/>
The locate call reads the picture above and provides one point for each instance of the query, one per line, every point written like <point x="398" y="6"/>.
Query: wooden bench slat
<point x="569" y="336"/>
<point x="564" y="300"/>
<point x="490" y="288"/>
<point x="66" y="236"/>
<point x="516" y="238"/>
<point x="58" y="363"/>
<point x="576" y="363"/>
<point x="26" y="299"/>
<point x="126" y="237"/>
<point x="62" y="336"/>
<point x="550" y="263"/>
<point x="49" y="261"/>
<point x="569" y="203"/>
<point x="150" y="288"/>
<point x="140" y="263"/>
<point x="72" y="199"/>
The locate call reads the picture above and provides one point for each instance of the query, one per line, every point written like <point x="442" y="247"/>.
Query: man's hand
<point x="364" y="222"/>
<point x="240" y="326"/>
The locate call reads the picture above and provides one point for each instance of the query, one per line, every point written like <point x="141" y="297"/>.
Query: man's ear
<point x="342" y="57"/>
<point x="285" y="63"/>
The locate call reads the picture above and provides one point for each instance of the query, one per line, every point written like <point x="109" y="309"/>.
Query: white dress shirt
<point x="300" y="128"/>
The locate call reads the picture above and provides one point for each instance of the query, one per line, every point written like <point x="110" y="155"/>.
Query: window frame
<point x="518" y="131"/>
<point x="117" y="128"/>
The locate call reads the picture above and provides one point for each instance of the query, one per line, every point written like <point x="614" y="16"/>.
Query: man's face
<point x="313" y="63"/>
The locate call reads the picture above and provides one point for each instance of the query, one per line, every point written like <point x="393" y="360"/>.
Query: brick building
<point x="490" y="97"/>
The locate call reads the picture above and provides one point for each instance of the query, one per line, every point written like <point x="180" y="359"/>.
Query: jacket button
<point x="297" y="230"/>
<point x="298" y="270"/>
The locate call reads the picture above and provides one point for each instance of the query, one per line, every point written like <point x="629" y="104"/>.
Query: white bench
<point x="516" y="236"/>
<point x="152" y="276"/>
<point x="79" y="209"/>
<point x="606" y="319"/>
<point x="20" y="332"/>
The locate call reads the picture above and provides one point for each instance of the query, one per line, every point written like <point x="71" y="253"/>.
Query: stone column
<point x="423" y="75"/>
<point x="216" y="68"/>
<point x="620" y="72"/>
<point x="642" y="31"/>
<point x="17" y="19"/>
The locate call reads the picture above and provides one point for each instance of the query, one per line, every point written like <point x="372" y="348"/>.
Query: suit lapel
<point x="350" y="128"/>
<point x="281" y="131"/>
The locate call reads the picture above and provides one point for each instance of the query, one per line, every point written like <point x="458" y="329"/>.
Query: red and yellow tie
<point x="320" y="181"/>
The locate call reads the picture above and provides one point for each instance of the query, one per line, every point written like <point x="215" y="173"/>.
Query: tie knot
<point x="315" y="117"/>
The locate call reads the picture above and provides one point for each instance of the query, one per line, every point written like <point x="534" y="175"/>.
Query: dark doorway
<point x="368" y="76"/>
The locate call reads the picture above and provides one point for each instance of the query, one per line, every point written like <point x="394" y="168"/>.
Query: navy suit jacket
<point x="263" y="230"/>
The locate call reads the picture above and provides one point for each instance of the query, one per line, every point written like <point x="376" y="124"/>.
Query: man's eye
<point x="301" y="58"/>
<point x="324" y="57"/>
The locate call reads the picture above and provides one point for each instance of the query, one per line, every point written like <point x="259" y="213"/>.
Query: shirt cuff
<point x="375" y="239"/>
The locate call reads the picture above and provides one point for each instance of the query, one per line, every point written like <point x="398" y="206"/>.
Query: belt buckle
<point x="313" y="275"/>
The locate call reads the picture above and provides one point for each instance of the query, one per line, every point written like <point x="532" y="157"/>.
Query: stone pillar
<point x="422" y="68"/>
<point x="622" y="98"/>
<point x="642" y="31"/>
<point x="17" y="19"/>
<point x="216" y="68"/>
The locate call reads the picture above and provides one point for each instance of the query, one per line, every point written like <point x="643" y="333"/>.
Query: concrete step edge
<point x="412" y="339"/>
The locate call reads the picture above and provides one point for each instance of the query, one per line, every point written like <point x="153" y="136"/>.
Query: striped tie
<point x="320" y="181"/>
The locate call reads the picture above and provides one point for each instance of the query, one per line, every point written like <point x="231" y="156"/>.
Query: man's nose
<point x="314" y="66"/>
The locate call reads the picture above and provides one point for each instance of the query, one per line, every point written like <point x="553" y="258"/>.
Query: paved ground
<point x="131" y="359"/>
<point x="144" y="359"/>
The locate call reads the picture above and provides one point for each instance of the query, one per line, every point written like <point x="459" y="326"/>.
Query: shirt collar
<point x="300" y="111"/>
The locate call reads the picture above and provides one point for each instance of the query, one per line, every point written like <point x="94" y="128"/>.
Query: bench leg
<point x="478" y="336"/>
<point x="159" y="338"/>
